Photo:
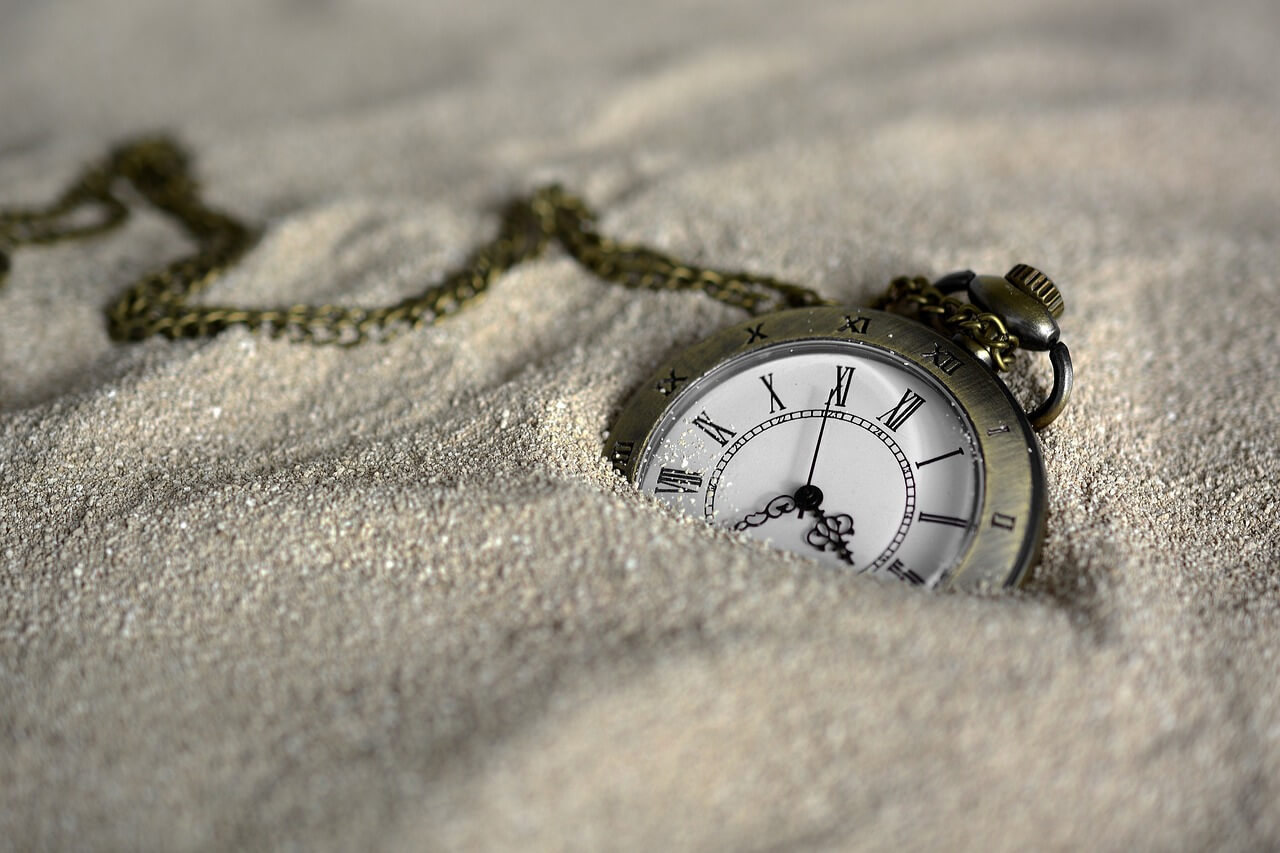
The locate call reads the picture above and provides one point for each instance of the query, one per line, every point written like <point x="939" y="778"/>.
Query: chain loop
<point x="985" y="331"/>
<point x="160" y="302"/>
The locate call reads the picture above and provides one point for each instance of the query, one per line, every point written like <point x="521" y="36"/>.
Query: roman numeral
<point x="622" y="451"/>
<point x="720" y="434"/>
<point x="946" y="362"/>
<point x="959" y="451"/>
<point x="775" y="402"/>
<point x="857" y="325"/>
<point x="678" y="480"/>
<point x="949" y="520"/>
<point x="668" y="385"/>
<point x="902" y="573"/>
<point x="839" y="395"/>
<point x="907" y="406"/>
<point x="1003" y="521"/>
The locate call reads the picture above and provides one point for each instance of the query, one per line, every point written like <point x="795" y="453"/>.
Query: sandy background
<point x="259" y="595"/>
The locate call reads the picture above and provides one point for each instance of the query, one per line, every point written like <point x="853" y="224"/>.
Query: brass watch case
<point x="1011" y="521"/>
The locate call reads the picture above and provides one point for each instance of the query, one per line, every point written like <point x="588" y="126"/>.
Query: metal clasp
<point x="1029" y="303"/>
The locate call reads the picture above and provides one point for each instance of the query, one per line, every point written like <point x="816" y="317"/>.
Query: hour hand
<point x="776" y="508"/>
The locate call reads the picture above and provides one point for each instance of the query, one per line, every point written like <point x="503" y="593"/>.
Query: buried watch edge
<point x="1002" y="535"/>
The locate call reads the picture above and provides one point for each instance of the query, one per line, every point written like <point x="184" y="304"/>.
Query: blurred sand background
<point x="260" y="595"/>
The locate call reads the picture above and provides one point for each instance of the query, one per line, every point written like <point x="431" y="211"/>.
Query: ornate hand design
<point x="829" y="532"/>
<point x="833" y="533"/>
<point x="776" y="508"/>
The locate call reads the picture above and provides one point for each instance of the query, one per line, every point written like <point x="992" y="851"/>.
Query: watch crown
<point x="1036" y="284"/>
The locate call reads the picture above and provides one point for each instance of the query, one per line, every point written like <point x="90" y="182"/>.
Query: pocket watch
<point x="880" y="440"/>
<point x="862" y="438"/>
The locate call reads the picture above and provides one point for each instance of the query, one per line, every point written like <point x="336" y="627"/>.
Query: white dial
<point x="833" y="449"/>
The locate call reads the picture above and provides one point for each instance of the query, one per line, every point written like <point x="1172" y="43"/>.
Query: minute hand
<point x="826" y="410"/>
<point x="809" y="496"/>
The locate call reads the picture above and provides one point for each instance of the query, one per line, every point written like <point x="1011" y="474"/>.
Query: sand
<point x="261" y="595"/>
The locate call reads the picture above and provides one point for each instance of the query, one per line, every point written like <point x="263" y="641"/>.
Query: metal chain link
<point x="159" y="303"/>
<point x="985" y="331"/>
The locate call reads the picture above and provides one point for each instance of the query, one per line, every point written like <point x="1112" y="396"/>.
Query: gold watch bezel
<point x="1006" y="542"/>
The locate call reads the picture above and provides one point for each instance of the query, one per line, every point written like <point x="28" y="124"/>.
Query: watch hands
<point x="776" y="508"/>
<point x="826" y="410"/>
<point x="809" y="497"/>
<point x="829" y="532"/>
<point x="832" y="533"/>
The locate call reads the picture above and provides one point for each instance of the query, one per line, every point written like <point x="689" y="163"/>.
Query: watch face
<point x="828" y="449"/>
<point x="863" y="441"/>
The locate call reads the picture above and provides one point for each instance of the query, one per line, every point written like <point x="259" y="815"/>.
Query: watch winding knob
<point x="1034" y="283"/>
<point x="1026" y="300"/>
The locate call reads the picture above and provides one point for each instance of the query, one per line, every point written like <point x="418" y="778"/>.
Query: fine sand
<point x="255" y="594"/>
